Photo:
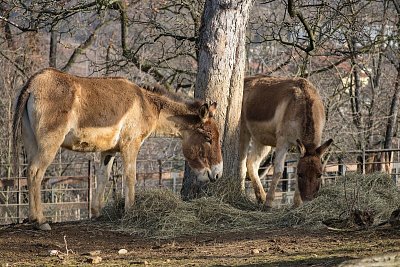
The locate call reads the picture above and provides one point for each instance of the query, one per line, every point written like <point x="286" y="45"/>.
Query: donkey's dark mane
<point x="308" y="121"/>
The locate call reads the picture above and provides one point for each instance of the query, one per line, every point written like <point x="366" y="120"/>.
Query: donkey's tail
<point x="17" y="122"/>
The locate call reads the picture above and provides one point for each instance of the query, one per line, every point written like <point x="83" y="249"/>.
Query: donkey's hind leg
<point x="40" y="153"/>
<point x="243" y="151"/>
<point x="256" y="154"/>
<point x="106" y="163"/>
<point x="31" y="149"/>
<point x="36" y="170"/>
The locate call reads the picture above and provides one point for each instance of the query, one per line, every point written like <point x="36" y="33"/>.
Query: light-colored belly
<point x="92" y="139"/>
<point x="269" y="133"/>
<point x="263" y="133"/>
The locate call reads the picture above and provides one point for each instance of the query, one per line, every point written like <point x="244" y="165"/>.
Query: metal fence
<point x="67" y="197"/>
<point x="67" y="187"/>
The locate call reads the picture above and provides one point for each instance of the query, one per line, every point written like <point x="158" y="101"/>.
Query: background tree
<point x="220" y="75"/>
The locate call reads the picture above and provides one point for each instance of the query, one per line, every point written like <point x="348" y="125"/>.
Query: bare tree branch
<point x="19" y="68"/>
<point x="79" y="50"/>
<point x="295" y="13"/>
<point x="24" y="29"/>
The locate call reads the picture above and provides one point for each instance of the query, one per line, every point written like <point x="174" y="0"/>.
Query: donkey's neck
<point x="166" y="125"/>
<point x="173" y="116"/>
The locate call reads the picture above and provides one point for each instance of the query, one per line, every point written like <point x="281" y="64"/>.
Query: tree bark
<point x="81" y="48"/>
<point x="221" y="50"/>
<point x="394" y="106"/>
<point x="53" y="49"/>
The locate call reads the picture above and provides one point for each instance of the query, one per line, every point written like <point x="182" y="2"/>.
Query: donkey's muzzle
<point x="212" y="177"/>
<point x="216" y="172"/>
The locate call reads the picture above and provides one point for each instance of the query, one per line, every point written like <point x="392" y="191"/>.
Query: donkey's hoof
<point x="97" y="218"/>
<point x="260" y="200"/>
<point x="267" y="208"/>
<point x="295" y="206"/>
<point x="43" y="227"/>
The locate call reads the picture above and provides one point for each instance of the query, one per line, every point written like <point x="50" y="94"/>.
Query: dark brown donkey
<point x="108" y="115"/>
<point x="281" y="112"/>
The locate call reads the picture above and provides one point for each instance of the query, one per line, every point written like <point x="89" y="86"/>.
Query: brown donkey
<point x="281" y="112"/>
<point x="108" y="115"/>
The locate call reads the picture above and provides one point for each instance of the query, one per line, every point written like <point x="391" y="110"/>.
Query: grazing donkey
<point x="282" y="112"/>
<point x="108" y="115"/>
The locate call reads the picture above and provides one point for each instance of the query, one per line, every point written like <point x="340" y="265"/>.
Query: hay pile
<point x="162" y="214"/>
<point x="375" y="193"/>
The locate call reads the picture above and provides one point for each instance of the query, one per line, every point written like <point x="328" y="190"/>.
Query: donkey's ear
<point x="322" y="149"/>
<point x="212" y="109"/>
<point x="204" y="112"/>
<point x="301" y="147"/>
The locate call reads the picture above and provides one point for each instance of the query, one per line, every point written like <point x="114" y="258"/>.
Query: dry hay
<point x="374" y="193"/>
<point x="161" y="213"/>
<point x="229" y="191"/>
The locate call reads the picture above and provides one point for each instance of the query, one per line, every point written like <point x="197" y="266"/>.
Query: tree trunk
<point x="53" y="49"/>
<point x="221" y="47"/>
<point x="394" y="107"/>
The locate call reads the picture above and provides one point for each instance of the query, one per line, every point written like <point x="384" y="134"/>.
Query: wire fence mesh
<point x="70" y="180"/>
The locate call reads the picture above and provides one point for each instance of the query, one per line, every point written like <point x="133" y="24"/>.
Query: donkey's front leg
<point x="129" y="155"/>
<point x="106" y="163"/>
<point x="279" y="165"/>
<point x="297" y="201"/>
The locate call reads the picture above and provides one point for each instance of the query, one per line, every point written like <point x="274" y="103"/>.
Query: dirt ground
<point x="22" y="246"/>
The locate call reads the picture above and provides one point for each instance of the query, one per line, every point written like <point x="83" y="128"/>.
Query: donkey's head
<point x="201" y="145"/>
<point x="309" y="169"/>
